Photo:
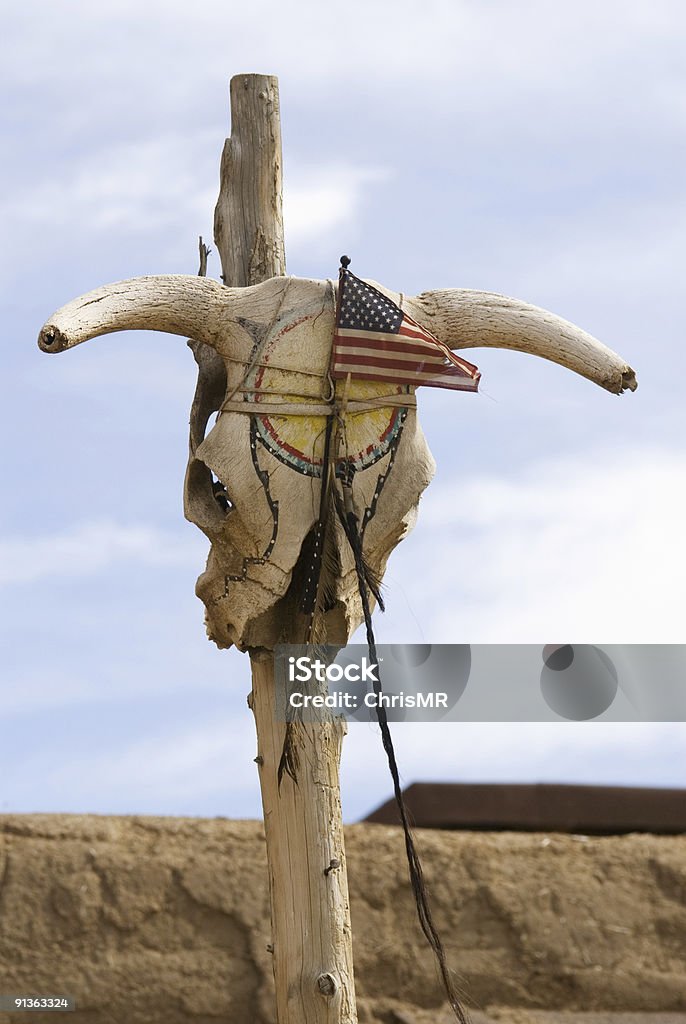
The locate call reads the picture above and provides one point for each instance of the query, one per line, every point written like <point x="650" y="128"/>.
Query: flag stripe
<point x="445" y="349"/>
<point x="412" y="364"/>
<point x="399" y="339"/>
<point x="375" y="340"/>
<point x="408" y="323"/>
<point x="378" y="368"/>
<point x="412" y="332"/>
<point x="390" y="341"/>
<point x="391" y="352"/>
<point x="346" y="338"/>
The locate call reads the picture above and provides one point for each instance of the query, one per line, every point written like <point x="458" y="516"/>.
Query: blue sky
<point x="534" y="149"/>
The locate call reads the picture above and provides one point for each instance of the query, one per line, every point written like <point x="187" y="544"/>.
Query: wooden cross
<point x="262" y="341"/>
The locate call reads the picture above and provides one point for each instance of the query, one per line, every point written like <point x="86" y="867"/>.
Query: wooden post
<point x="248" y="219"/>
<point x="313" y="966"/>
<point x="312" y="943"/>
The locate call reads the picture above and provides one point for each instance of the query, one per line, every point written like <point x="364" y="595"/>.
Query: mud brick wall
<point x="148" y="920"/>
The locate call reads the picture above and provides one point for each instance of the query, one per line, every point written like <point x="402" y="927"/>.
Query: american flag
<point x="374" y="340"/>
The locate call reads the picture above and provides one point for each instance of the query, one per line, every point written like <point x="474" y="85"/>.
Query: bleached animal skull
<point x="270" y="348"/>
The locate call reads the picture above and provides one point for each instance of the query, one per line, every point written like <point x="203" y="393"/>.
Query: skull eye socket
<point x="221" y="495"/>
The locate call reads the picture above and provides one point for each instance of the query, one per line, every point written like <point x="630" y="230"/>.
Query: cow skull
<point x="252" y="484"/>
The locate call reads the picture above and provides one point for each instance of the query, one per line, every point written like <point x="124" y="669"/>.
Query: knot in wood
<point x="327" y="985"/>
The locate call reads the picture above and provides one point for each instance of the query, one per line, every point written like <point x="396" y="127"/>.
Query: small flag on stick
<point x="374" y="340"/>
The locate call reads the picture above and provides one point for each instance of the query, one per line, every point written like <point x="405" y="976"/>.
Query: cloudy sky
<point x="534" y="149"/>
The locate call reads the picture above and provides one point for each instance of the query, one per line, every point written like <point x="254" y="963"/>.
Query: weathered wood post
<point x="263" y="342"/>
<point x="311" y="934"/>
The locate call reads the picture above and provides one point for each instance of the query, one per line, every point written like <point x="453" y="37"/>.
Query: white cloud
<point x="160" y="185"/>
<point x="395" y="41"/>
<point x="494" y="75"/>
<point x="185" y="764"/>
<point x="325" y="198"/>
<point x="172" y="772"/>
<point x="132" y="367"/>
<point x="588" y="549"/>
<point x="541" y="100"/>
<point x="41" y="692"/>
<point x="38" y="691"/>
<point x="91" y="548"/>
<point x="625" y="250"/>
<point x="124" y="186"/>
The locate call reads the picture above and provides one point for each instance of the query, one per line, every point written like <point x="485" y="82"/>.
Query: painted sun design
<point x="298" y="441"/>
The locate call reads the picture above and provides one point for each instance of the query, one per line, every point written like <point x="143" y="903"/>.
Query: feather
<point x="321" y="569"/>
<point x="321" y="556"/>
<point x="289" y="762"/>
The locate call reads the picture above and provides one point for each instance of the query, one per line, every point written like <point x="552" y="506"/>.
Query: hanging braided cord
<point x="350" y="525"/>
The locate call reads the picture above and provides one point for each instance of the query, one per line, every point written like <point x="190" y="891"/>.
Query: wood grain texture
<point x="313" y="965"/>
<point x="310" y="912"/>
<point x="248" y="218"/>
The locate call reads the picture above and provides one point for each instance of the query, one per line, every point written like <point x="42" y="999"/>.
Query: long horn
<point x="174" y="303"/>
<point x="462" y="318"/>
